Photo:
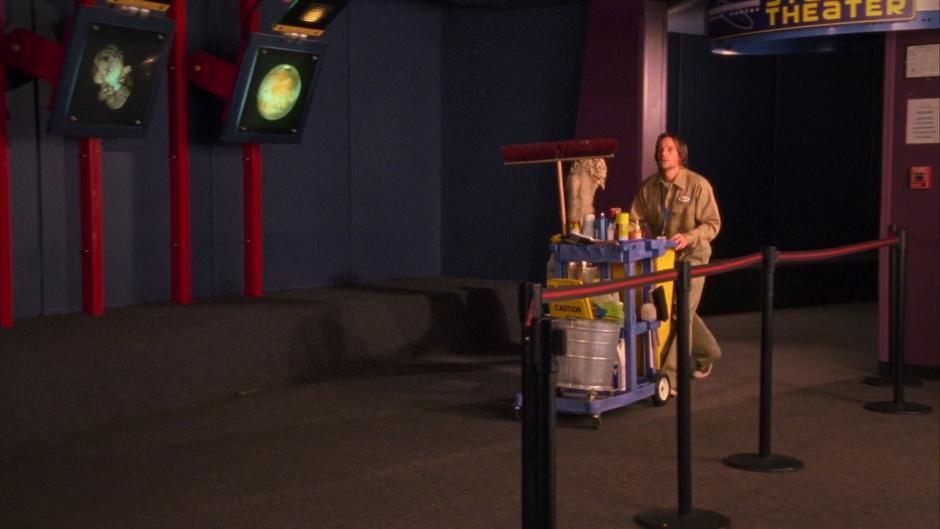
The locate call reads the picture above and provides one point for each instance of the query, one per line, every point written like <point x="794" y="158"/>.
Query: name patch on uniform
<point x="684" y="199"/>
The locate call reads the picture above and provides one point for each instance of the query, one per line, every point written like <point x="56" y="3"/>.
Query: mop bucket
<point x="591" y="360"/>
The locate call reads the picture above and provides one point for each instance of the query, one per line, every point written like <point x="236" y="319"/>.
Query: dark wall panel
<point x="136" y="214"/>
<point x="61" y="217"/>
<point x="226" y="205"/>
<point x="395" y="131"/>
<point x="828" y="148"/>
<point x="306" y="189"/>
<point x="724" y="108"/>
<point x="509" y="76"/>
<point x="791" y="144"/>
<point x="25" y="192"/>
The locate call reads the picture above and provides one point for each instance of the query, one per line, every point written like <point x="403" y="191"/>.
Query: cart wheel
<point x="517" y="413"/>
<point x="596" y="421"/>
<point x="661" y="395"/>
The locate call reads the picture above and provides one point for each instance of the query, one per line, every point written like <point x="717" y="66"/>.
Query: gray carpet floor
<point x="430" y="442"/>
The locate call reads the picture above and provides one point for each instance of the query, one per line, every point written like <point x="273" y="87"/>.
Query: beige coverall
<point x="690" y="204"/>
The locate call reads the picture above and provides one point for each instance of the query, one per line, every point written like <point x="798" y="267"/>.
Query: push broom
<point x="558" y="152"/>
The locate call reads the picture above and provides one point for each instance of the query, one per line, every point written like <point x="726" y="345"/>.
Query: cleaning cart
<point x="607" y="365"/>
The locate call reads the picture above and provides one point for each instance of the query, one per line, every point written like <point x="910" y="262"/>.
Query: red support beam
<point x="254" y="260"/>
<point x="92" y="241"/>
<point x="180" y="219"/>
<point x="212" y="74"/>
<point x="6" y="233"/>
<point x="90" y="195"/>
<point x="33" y="54"/>
<point x="251" y="154"/>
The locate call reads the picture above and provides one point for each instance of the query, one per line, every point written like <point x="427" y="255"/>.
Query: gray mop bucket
<point x="590" y="354"/>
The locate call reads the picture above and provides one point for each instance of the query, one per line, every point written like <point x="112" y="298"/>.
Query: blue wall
<point x="358" y="199"/>
<point x="509" y="76"/>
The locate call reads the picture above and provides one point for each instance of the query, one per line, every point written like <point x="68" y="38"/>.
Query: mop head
<point x="585" y="176"/>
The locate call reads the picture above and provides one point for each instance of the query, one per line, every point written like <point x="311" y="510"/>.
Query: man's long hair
<point x="680" y="144"/>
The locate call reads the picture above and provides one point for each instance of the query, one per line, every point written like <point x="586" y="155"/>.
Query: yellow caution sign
<point x="575" y="308"/>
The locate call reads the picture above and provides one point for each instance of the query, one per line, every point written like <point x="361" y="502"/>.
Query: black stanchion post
<point x="764" y="461"/>
<point x="686" y="516"/>
<point x="882" y="381"/>
<point x="683" y="411"/>
<point x="541" y="344"/>
<point x="530" y="311"/>
<point x="897" y="283"/>
<point x="529" y="339"/>
<point x="552" y="340"/>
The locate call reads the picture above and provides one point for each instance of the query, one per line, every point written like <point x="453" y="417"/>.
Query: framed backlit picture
<point x="112" y="70"/>
<point x="273" y="91"/>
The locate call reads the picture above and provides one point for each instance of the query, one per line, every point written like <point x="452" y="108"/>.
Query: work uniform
<point x="687" y="206"/>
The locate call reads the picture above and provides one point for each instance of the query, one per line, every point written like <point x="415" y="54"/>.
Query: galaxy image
<point x="113" y="76"/>
<point x="116" y="76"/>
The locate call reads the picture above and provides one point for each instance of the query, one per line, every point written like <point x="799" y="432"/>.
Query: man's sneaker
<point x="702" y="372"/>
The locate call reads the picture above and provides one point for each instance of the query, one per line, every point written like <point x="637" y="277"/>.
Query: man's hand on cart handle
<point x="680" y="240"/>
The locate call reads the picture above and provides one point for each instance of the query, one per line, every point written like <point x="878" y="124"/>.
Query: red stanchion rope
<point x="608" y="287"/>
<point x="727" y="265"/>
<point x="828" y="253"/>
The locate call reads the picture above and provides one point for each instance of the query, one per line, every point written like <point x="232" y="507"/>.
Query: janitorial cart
<point x="609" y="363"/>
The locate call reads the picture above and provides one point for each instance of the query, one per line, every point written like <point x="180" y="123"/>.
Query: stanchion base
<point x="671" y="519"/>
<point x="882" y="382"/>
<point x="898" y="408"/>
<point x="759" y="463"/>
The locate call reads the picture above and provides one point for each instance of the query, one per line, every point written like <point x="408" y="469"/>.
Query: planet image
<point x="279" y="92"/>
<point x="112" y="76"/>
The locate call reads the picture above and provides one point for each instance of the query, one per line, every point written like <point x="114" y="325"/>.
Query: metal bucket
<point x="590" y="356"/>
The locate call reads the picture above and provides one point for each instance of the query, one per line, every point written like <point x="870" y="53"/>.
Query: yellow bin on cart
<point x="666" y="261"/>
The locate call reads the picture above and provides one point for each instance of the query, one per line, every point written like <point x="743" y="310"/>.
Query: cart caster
<point x="663" y="388"/>
<point x="596" y="421"/>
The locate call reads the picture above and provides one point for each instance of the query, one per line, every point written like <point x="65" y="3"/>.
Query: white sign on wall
<point x="922" y="61"/>
<point x="923" y="121"/>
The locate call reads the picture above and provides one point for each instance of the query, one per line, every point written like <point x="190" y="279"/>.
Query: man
<point x="679" y="204"/>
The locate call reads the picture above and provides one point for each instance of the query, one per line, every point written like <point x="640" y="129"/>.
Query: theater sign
<point x="767" y="26"/>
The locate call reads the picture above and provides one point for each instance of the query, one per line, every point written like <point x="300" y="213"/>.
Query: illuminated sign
<point x="307" y="17"/>
<point x="734" y="18"/>
<point x="156" y="5"/>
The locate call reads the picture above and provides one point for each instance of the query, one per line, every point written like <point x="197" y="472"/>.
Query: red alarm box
<point x="921" y="177"/>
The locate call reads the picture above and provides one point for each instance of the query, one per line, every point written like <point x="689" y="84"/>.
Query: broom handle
<point x="561" y="198"/>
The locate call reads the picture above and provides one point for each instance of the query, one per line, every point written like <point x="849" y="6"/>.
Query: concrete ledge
<point x="63" y="374"/>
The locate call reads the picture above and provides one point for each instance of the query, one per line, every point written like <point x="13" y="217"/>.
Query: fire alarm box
<point x="921" y="177"/>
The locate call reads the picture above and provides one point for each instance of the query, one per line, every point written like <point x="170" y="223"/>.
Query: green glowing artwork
<point x="112" y="76"/>
<point x="279" y="91"/>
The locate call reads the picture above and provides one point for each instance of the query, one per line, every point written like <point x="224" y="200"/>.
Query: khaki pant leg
<point x="705" y="348"/>
<point x="704" y="345"/>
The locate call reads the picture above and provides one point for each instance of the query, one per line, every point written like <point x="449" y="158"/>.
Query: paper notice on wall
<point x="923" y="121"/>
<point x="922" y="61"/>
